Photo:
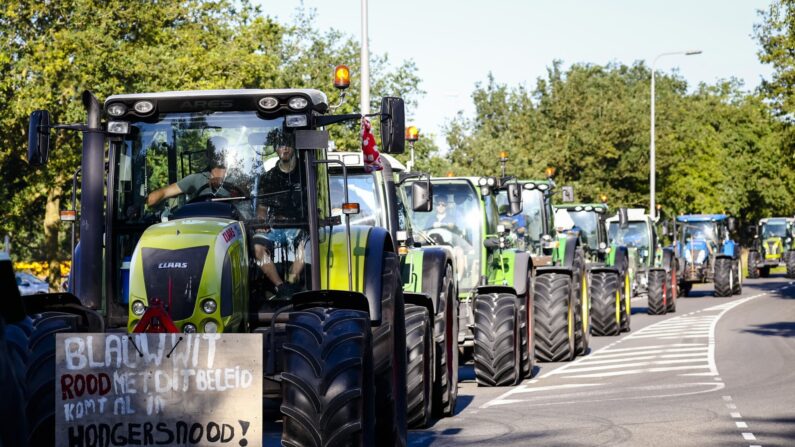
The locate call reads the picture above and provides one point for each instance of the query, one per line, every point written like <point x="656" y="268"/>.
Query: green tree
<point x="776" y="37"/>
<point x="51" y="51"/>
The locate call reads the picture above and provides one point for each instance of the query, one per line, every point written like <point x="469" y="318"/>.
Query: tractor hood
<point x="774" y="247"/>
<point x="697" y="251"/>
<point x="187" y="260"/>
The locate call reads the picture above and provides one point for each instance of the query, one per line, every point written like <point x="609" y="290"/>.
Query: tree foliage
<point x="718" y="149"/>
<point x="51" y="51"/>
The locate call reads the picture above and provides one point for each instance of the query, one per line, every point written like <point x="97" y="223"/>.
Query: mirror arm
<point x="333" y="119"/>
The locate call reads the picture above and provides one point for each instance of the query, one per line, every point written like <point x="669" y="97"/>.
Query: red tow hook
<point x="156" y="320"/>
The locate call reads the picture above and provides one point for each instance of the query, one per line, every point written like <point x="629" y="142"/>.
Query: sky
<point x="457" y="43"/>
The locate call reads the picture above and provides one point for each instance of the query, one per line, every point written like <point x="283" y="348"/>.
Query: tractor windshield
<point x="233" y="165"/>
<point x="703" y="231"/>
<point x="361" y="190"/>
<point x="529" y="224"/>
<point x="635" y="235"/>
<point x="457" y="221"/>
<point x="588" y="223"/>
<point x="774" y="229"/>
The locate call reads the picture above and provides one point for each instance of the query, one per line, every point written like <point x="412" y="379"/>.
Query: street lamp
<point x="652" y="168"/>
<point x="365" y="62"/>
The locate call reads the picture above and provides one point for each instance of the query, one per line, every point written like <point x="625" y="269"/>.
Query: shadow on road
<point x="781" y="329"/>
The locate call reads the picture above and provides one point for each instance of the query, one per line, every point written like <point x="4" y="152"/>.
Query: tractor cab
<point x="772" y="246"/>
<point x="590" y="220"/>
<point x="532" y="227"/>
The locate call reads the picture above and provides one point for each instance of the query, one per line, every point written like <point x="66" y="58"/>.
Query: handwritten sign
<point x="158" y="389"/>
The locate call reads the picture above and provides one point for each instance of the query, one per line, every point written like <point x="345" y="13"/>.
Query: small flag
<point x="372" y="159"/>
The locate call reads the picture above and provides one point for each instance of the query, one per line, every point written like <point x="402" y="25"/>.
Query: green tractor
<point x="610" y="272"/>
<point x="336" y="314"/>
<point x="494" y="279"/>
<point x="429" y="286"/>
<point x="533" y="227"/>
<point x="772" y="247"/>
<point x="656" y="274"/>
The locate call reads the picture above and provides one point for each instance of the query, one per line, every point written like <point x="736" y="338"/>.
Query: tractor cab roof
<point x="701" y="218"/>
<point x="222" y="100"/>
<point x="776" y="220"/>
<point x="355" y="160"/>
<point x="596" y="207"/>
<point x="633" y="215"/>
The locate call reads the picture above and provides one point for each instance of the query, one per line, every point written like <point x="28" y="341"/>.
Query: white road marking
<point x="735" y="415"/>
<point x="741" y="424"/>
<point x="749" y="436"/>
<point x="727" y="398"/>
<point x="731" y="406"/>
<point x="634" y="371"/>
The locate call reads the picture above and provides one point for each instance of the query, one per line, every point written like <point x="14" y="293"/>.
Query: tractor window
<point x="635" y="235"/>
<point x="705" y="231"/>
<point x="361" y="190"/>
<point x="529" y="224"/>
<point x="774" y="230"/>
<point x="588" y="223"/>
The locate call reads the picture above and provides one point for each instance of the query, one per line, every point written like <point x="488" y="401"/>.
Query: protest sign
<point x="158" y="389"/>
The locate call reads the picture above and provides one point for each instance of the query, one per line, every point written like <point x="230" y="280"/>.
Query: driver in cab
<point x="209" y="182"/>
<point x="442" y="219"/>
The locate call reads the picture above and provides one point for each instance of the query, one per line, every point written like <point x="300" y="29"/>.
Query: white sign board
<point x="158" y="389"/>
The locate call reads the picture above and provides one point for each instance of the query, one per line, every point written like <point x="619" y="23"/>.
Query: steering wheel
<point x="443" y="235"/>
<point x="234" y="191"/>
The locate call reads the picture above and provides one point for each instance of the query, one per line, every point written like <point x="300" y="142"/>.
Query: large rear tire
<point x="791" y="265"/>
<point x="419" y="346"/>
<point x="40" y="375"/>
<point x="13" y="353"/>
<point x="389" y="358"/>
<point x="671" y="293"/>
<point x="581" y="298"/>
<point x="606" y="304"/>
<point x="445" y="383"/>
<point x="753" y="264"/>
<point x="657" y="291"/>
<point x="554" y="318"/>
<point x="737" y="274"/>
<point x="626" y="304"/>
<point x="723" y="277"/>
<point x="497" y="352"/>
<point x="328" y="379"/>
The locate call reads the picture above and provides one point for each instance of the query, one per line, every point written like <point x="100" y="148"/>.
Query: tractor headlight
<point x="296" y="121"/>
<point x="209" y="306"/>
<point x="297" y="103"/>
<point x="138" y="308"/>
<point x="189" y="328"/>
<point x="143" y="107"/>
<point x="269" y="103"/>
<point x="117" y="109"/>
<point x="210" y="327"/>
<point x="118" y="127"/>
<point x="482" y="181"/>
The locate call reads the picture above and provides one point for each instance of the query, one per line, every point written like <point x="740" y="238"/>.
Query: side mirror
<point x="421" y="193"/>
<point x="393" y="125"/>
<point x="39" y="138"/>
<point x="568" y="194"/>
<point x="732" y="223"/>
<point x="623" y="218"/>
<point x="515" y="198"/>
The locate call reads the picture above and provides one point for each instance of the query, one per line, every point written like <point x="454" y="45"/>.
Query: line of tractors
<point x="395" y="277"/>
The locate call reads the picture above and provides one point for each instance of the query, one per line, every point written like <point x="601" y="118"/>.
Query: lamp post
<point x="365" y="62"/>
<point x="652" y="167"/>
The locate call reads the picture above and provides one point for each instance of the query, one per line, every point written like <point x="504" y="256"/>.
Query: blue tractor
<point x="707" y="253"/>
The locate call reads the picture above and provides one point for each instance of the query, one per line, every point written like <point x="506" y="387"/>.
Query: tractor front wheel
<point x="445" y="383"/>
<point x="657" y="292"/>
<point x="554" y="317"/>
<point x="791" y="265"/>
<point x="737" y="274"/>
<point x="328" y="379"/>
<point x="419" y="345"/>
<point x="606" y="303"/>
<point x="753" y="264"/>
<point x="724" y="278"/>
<point x="497" y="352"/>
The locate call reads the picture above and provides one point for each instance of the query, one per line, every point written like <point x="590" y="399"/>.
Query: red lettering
<point x="76" y="385"/>
<point x="66" y="387"/>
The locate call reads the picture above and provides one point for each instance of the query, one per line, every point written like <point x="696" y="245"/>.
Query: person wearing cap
<point x="209" y="182"/>
<point x="281" y="190"/>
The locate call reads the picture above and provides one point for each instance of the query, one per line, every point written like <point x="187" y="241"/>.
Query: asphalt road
<point x="718" y="372"/>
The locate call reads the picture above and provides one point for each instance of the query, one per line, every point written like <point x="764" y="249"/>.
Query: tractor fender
<point x="730" y="249"/>
<point x="602" y="269"/>
<point x="554" y="269"/>
<point x="339" y="299"/>
<point x="619" y="259"/>
<point x="572" y="242"/>
<point x="378" y="242"/>
<point x="522" y="264"/>
<point x="419" y="299"/>
<point x="668" y="258"/>
<point x="434" y="262"/>
<point x="723" y="256"/>
<point x="67" y="303"/>
<point x="483" y="290"/>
